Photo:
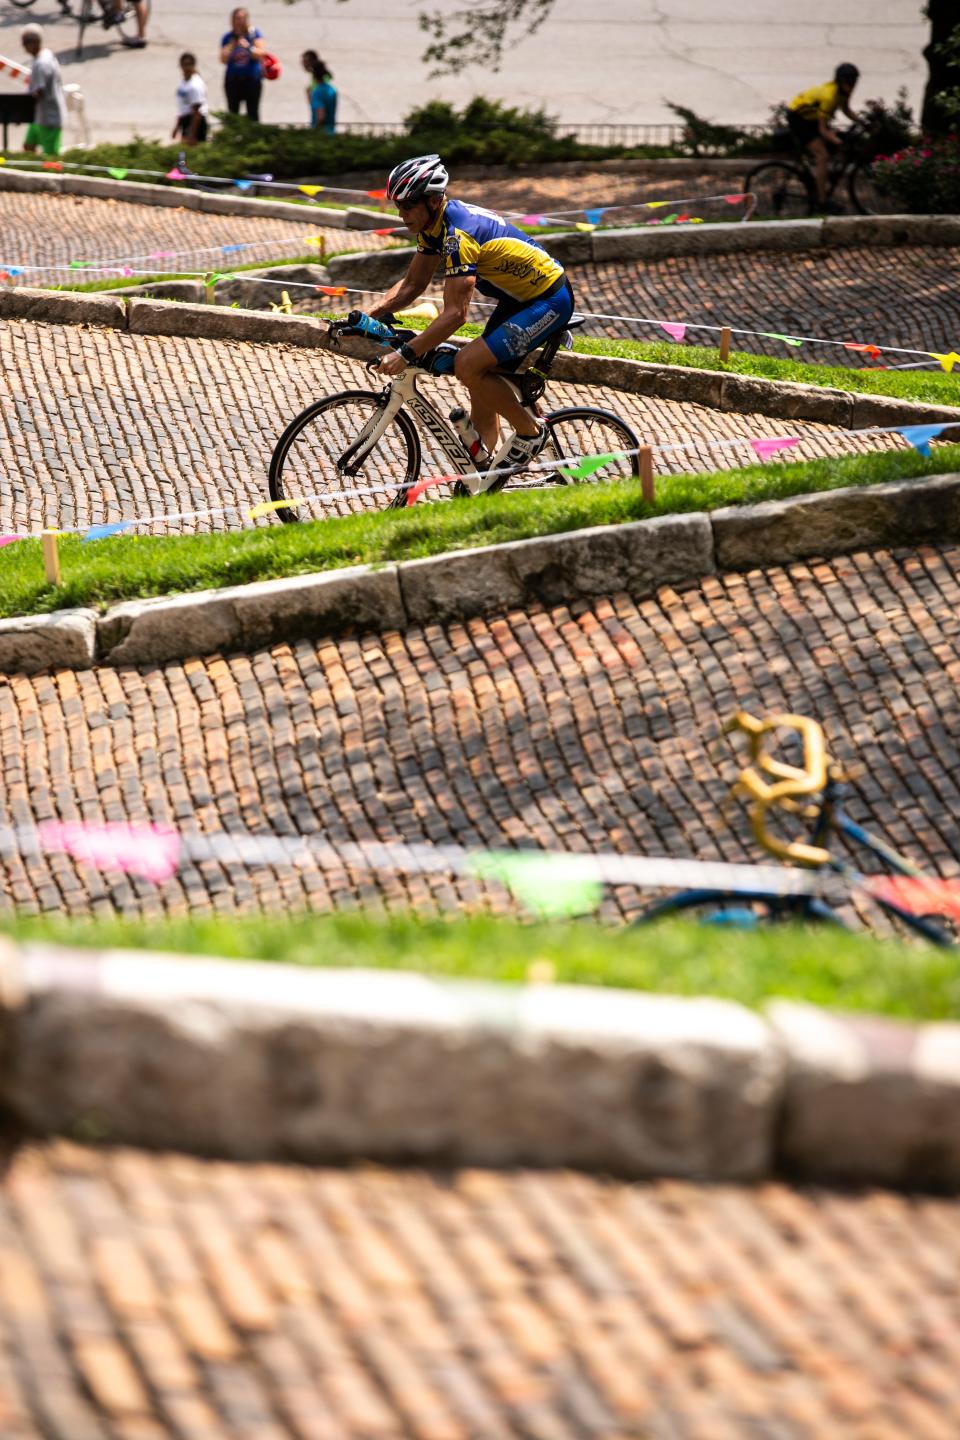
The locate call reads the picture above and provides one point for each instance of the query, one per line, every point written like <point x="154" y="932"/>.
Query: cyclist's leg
<point x="820" y="155"/>
<point x="518" y="334"/>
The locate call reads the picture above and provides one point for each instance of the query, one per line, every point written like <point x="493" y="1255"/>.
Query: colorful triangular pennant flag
<point x="594" y="216"/>
<point x="243" y="184"/>
<point x="266" y="507"/>
<point x="587" y="466"/>
<point x="765" y="447"/>
<point x="786" y="339"/>
<point x="151" y="851"/>
<point x="919" y="436"/>
<point x="676" y="331"/>
<point x="310" y="190"/>
<point x="103" y="532"/>
<point x="947" y="362"/>
<point x="117" y="172"/>
<point x="553" y="886"/>
<point x="11" y="539"/>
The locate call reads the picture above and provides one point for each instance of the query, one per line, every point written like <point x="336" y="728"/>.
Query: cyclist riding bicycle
<point x="478" y="251"/>
<point x="809" y="115"/>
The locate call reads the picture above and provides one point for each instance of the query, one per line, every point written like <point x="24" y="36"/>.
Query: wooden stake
<point x="51" y="557"/>
<point x="645" y="456"/>
<point x="725" y="344"/>
<point x="210" y="294"/>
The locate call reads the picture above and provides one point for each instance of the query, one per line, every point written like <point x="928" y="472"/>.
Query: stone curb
<point x="783" y="399"/>
<point x="627" y="244"/>
<point x="639" y="557"/>
<point x="263" y="1062"/>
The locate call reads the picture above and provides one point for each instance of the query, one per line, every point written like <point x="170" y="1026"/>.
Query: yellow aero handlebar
<point x="790" y="781"/>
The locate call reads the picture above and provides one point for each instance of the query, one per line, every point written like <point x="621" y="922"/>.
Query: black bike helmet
<point x="846" y="74"/>
<point x="411" y="180"/>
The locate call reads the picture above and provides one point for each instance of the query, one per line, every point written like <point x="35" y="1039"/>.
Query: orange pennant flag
<point x="332" y="289"/>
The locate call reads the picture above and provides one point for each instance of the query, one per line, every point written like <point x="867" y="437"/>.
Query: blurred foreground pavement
<point x="146" y="1296"/>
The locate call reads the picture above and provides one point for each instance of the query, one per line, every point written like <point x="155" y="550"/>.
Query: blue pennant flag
<point x="228" y="248"/>
<point x="243" y="184"/>
<point x="15" y="270"/>
<point x="919" y="436"/>
<point x="594" y="216"/>
<point x="101" y="532"/>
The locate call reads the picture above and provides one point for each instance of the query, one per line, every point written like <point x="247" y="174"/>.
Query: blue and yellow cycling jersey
<point x="472" y="241"/>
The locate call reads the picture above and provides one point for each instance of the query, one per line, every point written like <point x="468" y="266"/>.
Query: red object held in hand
<point x="271" y="67"/>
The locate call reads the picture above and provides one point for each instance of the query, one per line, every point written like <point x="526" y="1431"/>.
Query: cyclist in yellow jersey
<point x="809" y="115"/>
<point x="478" y="250"/>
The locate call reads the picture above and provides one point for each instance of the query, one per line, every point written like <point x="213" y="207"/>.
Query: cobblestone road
<point x="52" y="230"/>
<point x="99" y="425"/>
<point x="147" y="1296"/>
<point x="580" y="728"/>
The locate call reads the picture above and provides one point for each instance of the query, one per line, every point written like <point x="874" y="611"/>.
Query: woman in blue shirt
<point x="320" y="93"/>
<point x="240" y="50"/>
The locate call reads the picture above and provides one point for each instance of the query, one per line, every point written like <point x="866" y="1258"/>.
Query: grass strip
<point x="678" y="957"/>
<point x="125" y="567"/>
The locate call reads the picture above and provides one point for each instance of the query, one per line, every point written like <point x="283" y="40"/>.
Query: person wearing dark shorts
<point x="478" y="251"/>
<point x="191" y="103"/>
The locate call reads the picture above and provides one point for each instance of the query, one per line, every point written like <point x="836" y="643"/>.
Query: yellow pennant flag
<point x="582" y="225"/>
<point x="947" y="361"/>
<point x="266" y="506"/>
<point x="314" y="240"/>
<point x="310" y="190"/>
<point x="656" y="204"/>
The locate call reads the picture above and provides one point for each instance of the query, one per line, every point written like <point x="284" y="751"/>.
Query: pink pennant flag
<point x="675" y="331"/>
<point x="766" y="448"/>
<point x="415" y="491"/>
<point x="175" y="174"/>
<point x="734" y="199"/>
<point x="150" y="851"/>
<point x="11" y="539"/>
<point x="160" y="255"/>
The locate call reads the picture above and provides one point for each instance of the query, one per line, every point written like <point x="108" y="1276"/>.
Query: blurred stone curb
<point x="276" y="1062"/>
<point x="638" y="557"/>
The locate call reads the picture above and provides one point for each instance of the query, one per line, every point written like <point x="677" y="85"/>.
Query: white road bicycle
<point x="359" y="446"/>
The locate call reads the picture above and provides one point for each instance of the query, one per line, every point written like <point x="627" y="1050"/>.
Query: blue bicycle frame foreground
<point x="813" y="792"/>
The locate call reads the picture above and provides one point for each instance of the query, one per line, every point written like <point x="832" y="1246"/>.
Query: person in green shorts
<point x="50" y="106"/>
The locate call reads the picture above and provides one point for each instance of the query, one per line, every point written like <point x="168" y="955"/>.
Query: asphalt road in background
<point x="616" y="61"/>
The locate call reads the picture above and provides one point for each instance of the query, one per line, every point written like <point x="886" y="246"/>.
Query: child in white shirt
<point x="191" y="103"/>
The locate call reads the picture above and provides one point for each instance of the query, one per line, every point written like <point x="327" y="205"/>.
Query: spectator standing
<point x="321" y="94"/>
<point x="191" y="103"/>
<point x="241" y="50"/>
<point x="50" y="105"/>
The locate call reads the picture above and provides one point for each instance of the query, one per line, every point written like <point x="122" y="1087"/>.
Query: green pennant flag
<point x="787" y="339"/>
<point x="80" y="264"/>
<point x="117" y="173"/>
<point x="669" y="219"/>
<point x="588" y="465"/>
<point x="552" y="886"/>
<point x="213" y="277"/>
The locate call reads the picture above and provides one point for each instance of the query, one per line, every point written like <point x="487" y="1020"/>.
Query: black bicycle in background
<point x="787" y="190"/>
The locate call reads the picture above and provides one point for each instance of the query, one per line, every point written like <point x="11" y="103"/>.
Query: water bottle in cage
<point x="373" y="329"/>
<point x="468" y="432"/>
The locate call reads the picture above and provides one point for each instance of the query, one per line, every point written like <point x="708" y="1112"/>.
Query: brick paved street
<point x="581" y="728"/>
<point x="101" y="425"/>
<point x="147" y="1296"/>
<point x="52" y="230"/>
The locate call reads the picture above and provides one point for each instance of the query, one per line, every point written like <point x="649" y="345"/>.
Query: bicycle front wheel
<point x="867" y="195"/>
<point x="783" y="191"/>
<point x="322" y="467"/>
<point x="128" y="19"/>
<point x="21" y="4"/>
<point x="580" y="431"/>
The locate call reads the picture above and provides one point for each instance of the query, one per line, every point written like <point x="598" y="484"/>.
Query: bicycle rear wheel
<point x="313" y="465"/>
<point x="21" y="4"/>
<point x="783" y="191"/>
<point x="867" y="195"/>
<point x="128" y="19"/>
<point x="583" y="430"/>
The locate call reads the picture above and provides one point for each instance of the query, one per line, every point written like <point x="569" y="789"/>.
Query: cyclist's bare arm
<point x="457" y="294"/>
<point x="420" y="272"/>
